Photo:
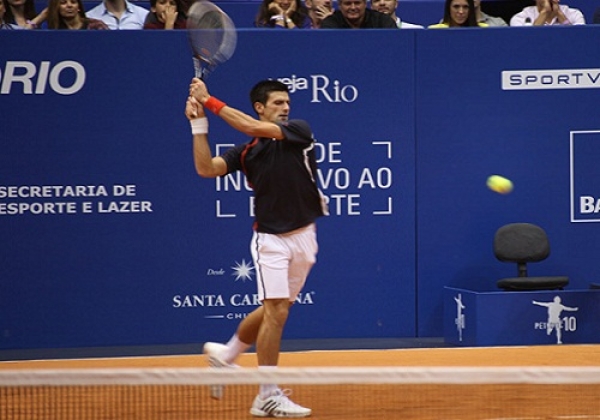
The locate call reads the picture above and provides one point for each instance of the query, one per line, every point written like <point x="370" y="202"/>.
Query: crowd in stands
<point x="277" y="14"/>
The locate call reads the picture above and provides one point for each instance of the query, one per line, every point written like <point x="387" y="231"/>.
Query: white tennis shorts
<point x="283" y="261"/>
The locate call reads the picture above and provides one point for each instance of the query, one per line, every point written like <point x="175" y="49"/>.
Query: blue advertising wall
<point x="126" y="245"/>
<point x="471" y="123"/>
<point x="148" y="252"/>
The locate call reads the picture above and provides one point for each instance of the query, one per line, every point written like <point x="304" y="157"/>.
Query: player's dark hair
<point x="261" y="91"/>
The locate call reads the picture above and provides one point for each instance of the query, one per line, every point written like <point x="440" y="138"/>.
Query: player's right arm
<point x="237" y="119"/>
<point x="206" y="165"/>
<point x="252" y="127"/>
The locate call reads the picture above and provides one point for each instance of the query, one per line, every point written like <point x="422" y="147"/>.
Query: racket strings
<point x="212" y="36"/>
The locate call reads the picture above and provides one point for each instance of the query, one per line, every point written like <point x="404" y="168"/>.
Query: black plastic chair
<point x="522" y="243"/>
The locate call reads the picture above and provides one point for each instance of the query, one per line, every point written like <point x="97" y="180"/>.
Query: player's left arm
<point x="206" y="165"/>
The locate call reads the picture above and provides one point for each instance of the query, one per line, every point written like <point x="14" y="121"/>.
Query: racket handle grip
<point x="201" y="68"/>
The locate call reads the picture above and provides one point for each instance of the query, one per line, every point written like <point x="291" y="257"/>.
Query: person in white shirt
<point x="548" y="12"/>
<point x="389" y="8"/>
<point x="119" y="14"/>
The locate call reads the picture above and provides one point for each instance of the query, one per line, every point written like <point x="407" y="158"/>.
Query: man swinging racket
<point x="280" y="165"/>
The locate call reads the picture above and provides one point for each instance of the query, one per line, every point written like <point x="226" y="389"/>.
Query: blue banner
<point x="472" y="123"/>
<point x="111" y="239"/>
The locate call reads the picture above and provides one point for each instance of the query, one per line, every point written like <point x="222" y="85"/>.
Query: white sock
<point x="266" y="390"/>
<point x="235" y="347"/>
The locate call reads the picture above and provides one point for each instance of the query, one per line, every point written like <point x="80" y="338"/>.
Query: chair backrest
<point x="521" y="243"/>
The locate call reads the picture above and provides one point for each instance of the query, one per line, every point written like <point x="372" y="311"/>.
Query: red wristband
<point x="214" y="105"/>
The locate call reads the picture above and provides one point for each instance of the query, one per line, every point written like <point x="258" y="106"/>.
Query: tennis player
<point x="280" y="165"/>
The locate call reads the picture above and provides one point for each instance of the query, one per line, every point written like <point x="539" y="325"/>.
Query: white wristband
<point x="199" y="125"/>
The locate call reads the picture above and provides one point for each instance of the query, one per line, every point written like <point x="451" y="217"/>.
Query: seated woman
<point x="22" y="13"/>
<point x="3" y="24"/>
<point x="457" y="14"/>
<point x="165" y="14"/>
<point x="287" y="14"/>
<point x="70" y="14"/>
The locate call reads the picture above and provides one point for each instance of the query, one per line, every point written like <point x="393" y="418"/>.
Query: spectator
<point x="457" y="14"/>
<point x="23" y="14"/>
<point x="317" y="11"/>
<point x="389" y="8"/>
<point x="119" y="14"/>
<point x="165" y="14"/>
<point x="70" y="14"/>
<point x="184" y="5"/>
<point x="547" y="12"/>
<point x="481" y="17"/>
<point x="3" y="24"/>
<point x="353" y="14"/>
<point x="597" y="15"/>
<point x="288" y="14"/>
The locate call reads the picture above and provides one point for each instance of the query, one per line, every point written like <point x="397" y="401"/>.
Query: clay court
<point x="407" y="401"/>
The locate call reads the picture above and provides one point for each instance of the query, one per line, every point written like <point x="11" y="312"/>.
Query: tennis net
<point x="423" y="393"/>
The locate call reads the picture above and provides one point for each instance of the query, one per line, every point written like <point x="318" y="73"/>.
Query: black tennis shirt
<point x="283" y="175"/>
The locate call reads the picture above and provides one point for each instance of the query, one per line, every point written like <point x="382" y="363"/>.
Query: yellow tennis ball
<point x="499" y="184"/>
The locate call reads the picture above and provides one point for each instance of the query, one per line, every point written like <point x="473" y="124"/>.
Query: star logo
<point x="242" y="270"/>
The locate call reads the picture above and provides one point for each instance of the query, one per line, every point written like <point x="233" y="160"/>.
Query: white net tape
<point x="300" y="376"/>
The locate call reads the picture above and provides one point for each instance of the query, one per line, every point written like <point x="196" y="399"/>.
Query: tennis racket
<point x="212" y="37"/>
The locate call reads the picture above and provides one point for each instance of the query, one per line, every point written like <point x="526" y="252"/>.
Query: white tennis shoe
<point x="278" y="405"/>
<point x="214" y="353"/>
